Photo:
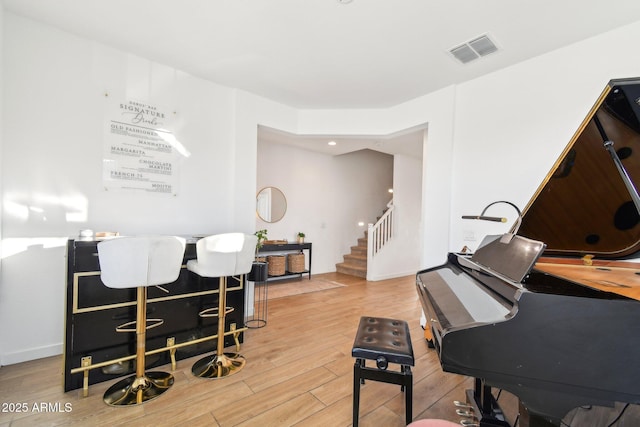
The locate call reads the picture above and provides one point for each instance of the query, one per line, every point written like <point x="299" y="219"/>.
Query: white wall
<point x="251" y="111"/>
<point x="56" y="88"/>
<point x="326" y="196"/>
<point x="401" y="256"/>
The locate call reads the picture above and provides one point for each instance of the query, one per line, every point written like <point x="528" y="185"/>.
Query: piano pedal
<point x="469" y="423"/>
<point x="463" y="413"/>
<point x="460" y="404"/>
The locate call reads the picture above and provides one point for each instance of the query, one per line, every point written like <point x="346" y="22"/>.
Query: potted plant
<point x="300" y="237"/>
<point x="258" y="271"/>
<point x="262" y="236"/>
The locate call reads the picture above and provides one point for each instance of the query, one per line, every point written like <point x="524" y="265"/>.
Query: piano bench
<point x="385" y="341"/>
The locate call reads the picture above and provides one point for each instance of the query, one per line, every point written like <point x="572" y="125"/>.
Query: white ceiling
<point x="326" y="54"/>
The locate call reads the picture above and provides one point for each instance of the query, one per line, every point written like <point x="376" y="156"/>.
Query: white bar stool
<point x="220" y="256"/>
<point x="140" y="262"/>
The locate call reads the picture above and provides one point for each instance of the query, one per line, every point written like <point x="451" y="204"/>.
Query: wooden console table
<point x="284" y="248"/>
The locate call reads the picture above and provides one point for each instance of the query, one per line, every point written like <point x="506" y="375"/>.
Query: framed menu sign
<point x="140" y="151"/>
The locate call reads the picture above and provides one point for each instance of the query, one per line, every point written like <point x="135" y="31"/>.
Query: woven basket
<point x="296" y="262"/>
<point x="276" y="265"/>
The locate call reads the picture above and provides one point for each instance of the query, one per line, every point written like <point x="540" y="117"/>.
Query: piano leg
<point x="528" y="419"/>
<point x="488" y="413"/>
<point x="485" y="407"/>
<point x="484" y="396"/>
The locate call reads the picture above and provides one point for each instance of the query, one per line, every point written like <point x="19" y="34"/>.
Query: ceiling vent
<point x="474" y="49"/>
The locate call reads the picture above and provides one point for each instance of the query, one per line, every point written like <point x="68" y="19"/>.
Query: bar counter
<point x="95" y="352"/>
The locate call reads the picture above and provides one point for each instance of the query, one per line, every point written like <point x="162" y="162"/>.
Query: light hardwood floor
<point x="299" y="373"/>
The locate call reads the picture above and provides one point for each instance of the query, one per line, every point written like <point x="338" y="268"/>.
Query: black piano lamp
<point x="506" y="238"/>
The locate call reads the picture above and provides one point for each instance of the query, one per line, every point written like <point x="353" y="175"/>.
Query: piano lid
<point x="584" y="206"/>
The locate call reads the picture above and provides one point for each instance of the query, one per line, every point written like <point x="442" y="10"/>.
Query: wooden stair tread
<point x="351" y="269"/>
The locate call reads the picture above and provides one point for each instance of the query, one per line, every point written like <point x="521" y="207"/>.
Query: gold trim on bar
<point x="85" y="361"/>
<point x="76" y="284"/>
<point x="151" y="352"/>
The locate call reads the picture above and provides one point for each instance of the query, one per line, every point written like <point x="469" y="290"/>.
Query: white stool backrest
<point x="129" y="262"/>
<point x="227" y="254"/>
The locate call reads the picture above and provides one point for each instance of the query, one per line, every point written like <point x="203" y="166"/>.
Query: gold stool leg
<point x="143" y="386"/>
<point x="222" y="364"/>
<point x="171" y="341"/>
<point x="236" y="336"/>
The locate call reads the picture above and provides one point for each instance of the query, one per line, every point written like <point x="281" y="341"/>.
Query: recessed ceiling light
<point x="331" y="143"/>
<point x="345" y="1"/>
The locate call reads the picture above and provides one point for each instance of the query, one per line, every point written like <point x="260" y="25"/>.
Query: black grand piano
<point x="550" y="311"/>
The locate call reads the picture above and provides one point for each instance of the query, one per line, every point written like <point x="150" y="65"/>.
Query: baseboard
<point x="31" y="354"/>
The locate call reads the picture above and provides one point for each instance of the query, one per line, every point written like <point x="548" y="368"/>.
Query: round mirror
<point x="271" y="204"/>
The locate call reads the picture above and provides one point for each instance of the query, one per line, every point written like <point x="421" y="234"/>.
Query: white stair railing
<point x="380" y="232"/>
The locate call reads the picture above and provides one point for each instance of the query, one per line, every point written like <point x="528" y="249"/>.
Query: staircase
<point x="381" y="232"/>
<point x="355" y="263"/>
